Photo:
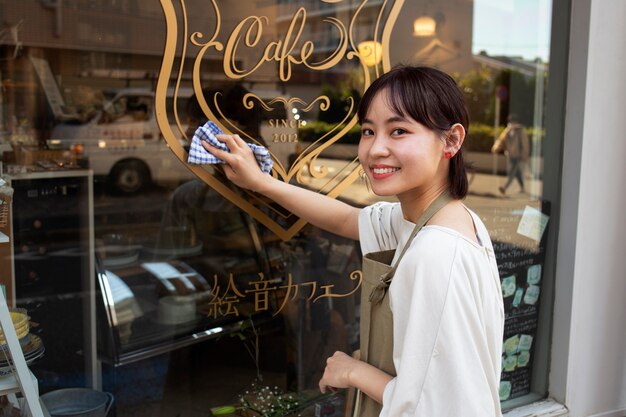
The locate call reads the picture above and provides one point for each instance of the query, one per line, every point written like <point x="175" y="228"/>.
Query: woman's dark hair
<point x="430" y="97"/>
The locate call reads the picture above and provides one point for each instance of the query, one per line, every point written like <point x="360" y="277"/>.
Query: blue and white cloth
<point x="200" y="156"/>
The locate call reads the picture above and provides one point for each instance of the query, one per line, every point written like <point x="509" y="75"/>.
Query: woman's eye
<point x="398" y="131"/>
<point x="367" y="132"/>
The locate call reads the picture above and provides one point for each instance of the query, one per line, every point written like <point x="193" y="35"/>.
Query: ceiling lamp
<point x="371" y="52"/>
<point x="424" y="26"/>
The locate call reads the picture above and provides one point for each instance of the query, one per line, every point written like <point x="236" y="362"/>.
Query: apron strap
<point x="378" y="293"/>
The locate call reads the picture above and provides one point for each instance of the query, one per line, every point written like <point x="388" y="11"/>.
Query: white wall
<point x="589" y="349"/>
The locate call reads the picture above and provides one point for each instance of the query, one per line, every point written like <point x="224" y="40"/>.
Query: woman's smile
<point x="380" y="172"/>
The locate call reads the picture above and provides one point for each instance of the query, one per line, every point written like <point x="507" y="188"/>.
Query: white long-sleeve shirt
<point x="448" y="317"/>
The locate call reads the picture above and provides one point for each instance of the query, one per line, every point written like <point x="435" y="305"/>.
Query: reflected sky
<point x="512" y="28"/>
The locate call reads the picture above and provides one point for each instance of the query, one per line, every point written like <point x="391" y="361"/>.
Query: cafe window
<point x="170" y="288"/>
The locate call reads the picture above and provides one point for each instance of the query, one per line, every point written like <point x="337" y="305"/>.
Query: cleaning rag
<point x="200" y="156"/>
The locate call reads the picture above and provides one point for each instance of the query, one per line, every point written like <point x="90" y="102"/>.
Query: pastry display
<point x="21" y="323"/>
<point x="31" y="344"/>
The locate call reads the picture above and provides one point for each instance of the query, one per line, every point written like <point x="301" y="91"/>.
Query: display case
<point x="156" y="307"/>
<point x="202" y="279"/>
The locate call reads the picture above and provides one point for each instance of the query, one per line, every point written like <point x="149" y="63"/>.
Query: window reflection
<point x="177" y="259"/>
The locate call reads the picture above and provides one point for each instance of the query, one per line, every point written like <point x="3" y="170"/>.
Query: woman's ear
<point x="454" y="139"/>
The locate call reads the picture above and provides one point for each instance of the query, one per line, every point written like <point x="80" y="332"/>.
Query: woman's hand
<point x="241" y="165"/>
<point x="343" y="371"/>
<point x="339" y="367"/>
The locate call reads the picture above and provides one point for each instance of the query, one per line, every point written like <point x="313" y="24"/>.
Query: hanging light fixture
<point x="371" y="52"/>
<point x="424" y="26"/>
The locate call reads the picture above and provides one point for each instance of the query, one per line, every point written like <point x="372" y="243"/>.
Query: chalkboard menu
<point x="518" y="235"/>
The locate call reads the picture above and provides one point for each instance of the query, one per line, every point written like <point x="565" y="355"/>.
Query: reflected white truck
<point x="124" y="143"/>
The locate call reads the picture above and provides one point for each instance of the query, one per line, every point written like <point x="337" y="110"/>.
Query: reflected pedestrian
<point x="514" y="142"/>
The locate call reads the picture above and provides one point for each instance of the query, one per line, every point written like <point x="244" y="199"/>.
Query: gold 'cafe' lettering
<point x="259" y="43"/>
<point x="249" y="32"/>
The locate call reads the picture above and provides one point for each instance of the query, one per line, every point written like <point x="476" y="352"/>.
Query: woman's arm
<point x="324" y="212"/>
<point x="343" y="371"/>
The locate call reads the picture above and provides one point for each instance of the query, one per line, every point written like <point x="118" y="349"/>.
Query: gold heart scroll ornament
<point x="261" y="49"/>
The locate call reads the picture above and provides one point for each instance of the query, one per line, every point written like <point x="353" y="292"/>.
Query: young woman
<point x="432" y="315"/>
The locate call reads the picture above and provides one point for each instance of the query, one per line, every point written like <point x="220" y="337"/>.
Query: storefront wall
<point x="200" y="287"/>
<point x="588" y="371"/>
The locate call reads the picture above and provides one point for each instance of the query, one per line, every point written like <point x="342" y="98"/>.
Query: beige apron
<point x="376" y="317"/>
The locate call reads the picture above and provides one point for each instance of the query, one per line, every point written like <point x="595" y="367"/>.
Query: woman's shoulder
<point x="457" y="217"/>
<point x="435" y="243"/>
<point x="441" y="243"/>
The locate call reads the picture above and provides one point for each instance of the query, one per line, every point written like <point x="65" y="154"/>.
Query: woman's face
<point x="400" y="156"/>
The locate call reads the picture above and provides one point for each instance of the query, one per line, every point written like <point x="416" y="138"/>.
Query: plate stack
<point x="31" y="344"/>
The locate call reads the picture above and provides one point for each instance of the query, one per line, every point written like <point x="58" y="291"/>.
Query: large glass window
<point x="161" y="282"/>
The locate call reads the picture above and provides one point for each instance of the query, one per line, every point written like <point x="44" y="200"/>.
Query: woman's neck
<point x="415" y="204"/>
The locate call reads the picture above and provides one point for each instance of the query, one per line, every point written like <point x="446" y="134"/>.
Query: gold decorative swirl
<point x="338" y="53"/>
<point x="180" y="70"/>
<point x="324" y="105"/>
<point x="391" y="19"/>
<point x="194" y="38"/>
<point x="196" y="82"/>
<point x="299" y="178"/>
<point x="317" y="172"/>
<point x="354" y="276"/>
<point x="350" y="28"/>
<point x="357" y="275"/>
<point x="354" y="53"/>
<point x="366" y="72"/>
<point x="344" y="172"/>
<point x="376" y="28"/>
<point x="249" y="103"/>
